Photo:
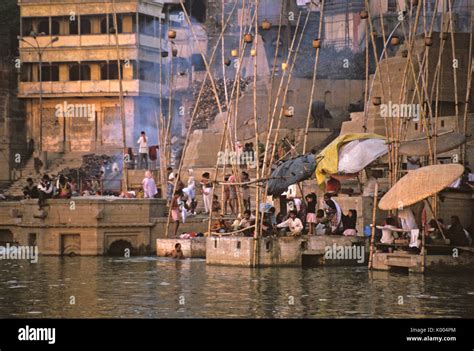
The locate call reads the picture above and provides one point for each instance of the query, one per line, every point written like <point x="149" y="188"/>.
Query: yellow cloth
<point x="328" y="159"/>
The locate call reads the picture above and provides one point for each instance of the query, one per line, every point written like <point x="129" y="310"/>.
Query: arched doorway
<point x="6" y="236"/>
<point x="121" y="248"/>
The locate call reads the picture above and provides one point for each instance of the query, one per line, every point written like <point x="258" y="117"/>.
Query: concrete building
<point x="80" y="73"/>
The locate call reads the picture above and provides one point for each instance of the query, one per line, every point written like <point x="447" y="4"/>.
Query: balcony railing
<point x="90" y="88"/>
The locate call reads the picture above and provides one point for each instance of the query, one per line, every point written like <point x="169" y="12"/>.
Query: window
<point x="43" y="26"/>
<point x="73" y="27"/>
<point x="109" y="71"/>
<point x="49" y="72"/>
<point x="55" y="27"/>
<point x="146" y="71"/>
<point x="107" y="24"/>
<point x="32" y="239"/>
<point x="239" y="245"/>
<point x="78" y="71"/>
<point x="86" y="27"/>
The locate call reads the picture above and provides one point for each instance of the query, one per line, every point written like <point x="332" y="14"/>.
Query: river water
<point x="149" y="287"/>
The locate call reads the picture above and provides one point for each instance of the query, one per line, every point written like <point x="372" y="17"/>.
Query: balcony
<point x="90" y="88"/>
<point x="92" y="47"/>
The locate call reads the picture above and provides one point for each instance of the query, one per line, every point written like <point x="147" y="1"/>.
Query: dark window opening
<point x="109" y="71"/>
<point x="79" y="71"/>
<point x="268" y="245"/>
<point x="107" y="27"/>
<point x="239" y="245"/>
<point x="32" y="239"/>
<point x="49" y="72"/>
<point x="416" y="126"/>
<point x="73" y="27"/>
<point x="215" y="244"/>
<point x="43" y="27"/>
<point x="55" y="27"/>
<point x="442" y="123"/>
<point x="147" y="25"/>
<point x="86" y="26"/>
<point x="146" y="71"/>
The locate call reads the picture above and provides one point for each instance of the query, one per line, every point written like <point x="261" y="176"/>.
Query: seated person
<point x="456" y="233"/>
<point x="247" y="221"/>
<point x="176" y="253"/>
<point x="433" y="232"/>
<point x="293" y="224"/>
<point x="30" y="190"/>
<point x="323" y="226"/>
<point x="349" y="223"/>
<point x="220" y="226"/>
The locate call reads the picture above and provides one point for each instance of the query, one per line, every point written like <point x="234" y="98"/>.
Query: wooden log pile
<point x="207" y="108"/>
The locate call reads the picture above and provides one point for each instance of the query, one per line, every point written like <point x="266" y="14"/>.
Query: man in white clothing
<point x="293" y="223"/>
<point x="149" y="186"/>
<point x="143" y="151"/>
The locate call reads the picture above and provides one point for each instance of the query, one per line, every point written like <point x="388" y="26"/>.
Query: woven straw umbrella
<point x="420" y="184"/>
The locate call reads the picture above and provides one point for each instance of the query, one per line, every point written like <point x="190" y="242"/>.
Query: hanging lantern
<point x="428" y="41"/>
<point x="172" y="34"/>
<point x="395" y="40"/>
<point x="175" y="52"/>
<point x="377" y="100"/>
<point x="364" y="14"/>
<point x="253" y="52"/>
<point x="289" y="112"/>
<point x="316" y="43"/>
<point x="284" y="66"/>
<point x="266" y="25"/>
<point x="234" y="53"/>
<point x="248" y="38"/>
<point x="227" y="62"/>
<point x="405" y="53"/>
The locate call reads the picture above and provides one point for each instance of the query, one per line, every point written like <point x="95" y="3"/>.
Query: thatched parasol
<point x="444" y="143"/>
<point x="420" y="184"/>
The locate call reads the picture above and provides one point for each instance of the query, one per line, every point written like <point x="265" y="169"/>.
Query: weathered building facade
<point x="79" y="82"/>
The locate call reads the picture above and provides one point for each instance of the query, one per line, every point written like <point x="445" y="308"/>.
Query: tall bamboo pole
<point x="315" y="73"/>
<point x="121" y="98"/>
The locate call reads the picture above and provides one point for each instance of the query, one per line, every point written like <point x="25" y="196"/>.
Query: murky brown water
<point x="161" y="288"/>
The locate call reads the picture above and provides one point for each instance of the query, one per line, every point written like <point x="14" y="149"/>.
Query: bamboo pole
<point x="374" y="217"/>
<point x="453" y="49"/>
<point x="257" y="141"/>
<point x="313" y="83"/>
<point x="121" y="99"/>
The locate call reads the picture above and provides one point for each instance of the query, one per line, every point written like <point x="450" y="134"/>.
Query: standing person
<point x="216" y="205"/>
<point x="190" y="191"/>
<point x="233" y="195"/>
<point x="143" y="151"/>
<point x="170" y="184"/>
<point x="226" y="198"/>
<point x="38" y="164"/>
<point x="246" y="191"/>
<point x="149" y="186"/>
<point x="175" y="210"/>
<point x="206" y="188"/>
<point x="311" y="212"/>
<point x="388" y="229"/>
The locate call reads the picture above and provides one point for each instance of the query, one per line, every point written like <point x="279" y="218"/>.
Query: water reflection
<point x="146" y="287"/>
